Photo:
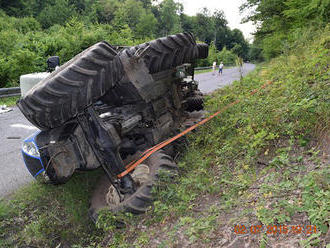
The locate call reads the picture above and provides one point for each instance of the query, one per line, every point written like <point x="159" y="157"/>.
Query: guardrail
<point x="8" y="92"/>
<point x="16" y="91"/>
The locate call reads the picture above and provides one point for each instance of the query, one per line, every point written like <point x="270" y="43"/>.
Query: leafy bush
<point x="279" y="19"/>
<point x="24" y="47"/>
<point x="57" y="13"/>
<point x="227" y="57"/>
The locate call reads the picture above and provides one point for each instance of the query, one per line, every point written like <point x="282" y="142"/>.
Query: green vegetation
<point x="31" y="30"/>
<point x="226" y="56"/>
<point x="283" y="23"/>
<point x="24" y="47"/>
<point x="9" y="101"/>
<point x="202" y="71"/>
<point x="46" y="215"/>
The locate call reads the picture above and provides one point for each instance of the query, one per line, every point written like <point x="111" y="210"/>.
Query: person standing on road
<point x="214" y="67"/>
<point x="220" y="68"/>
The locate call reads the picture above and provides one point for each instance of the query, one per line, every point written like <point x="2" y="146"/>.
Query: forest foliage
<point x="280" y="24"/>
<point x="32" y="30"/>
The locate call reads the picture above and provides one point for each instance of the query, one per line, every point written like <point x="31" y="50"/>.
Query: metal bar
<point x="8" y="92"/>
<point x="10" y="95"/>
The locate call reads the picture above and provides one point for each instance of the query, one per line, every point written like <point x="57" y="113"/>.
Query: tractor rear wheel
<point x="146" y="176"/>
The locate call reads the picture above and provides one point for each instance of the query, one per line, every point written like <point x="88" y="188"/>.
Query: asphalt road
<point x="14" y="128"/>
<point x="209" y="82"/>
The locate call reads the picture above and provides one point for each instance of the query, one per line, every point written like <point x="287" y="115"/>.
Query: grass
<point x="9" y="101"/>
<point x="260" y="163"/>
<point x="46" y="215"/>
<point x="203" y="71"/>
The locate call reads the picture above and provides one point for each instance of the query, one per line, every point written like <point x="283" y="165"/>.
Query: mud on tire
<point x="159" y="164"/>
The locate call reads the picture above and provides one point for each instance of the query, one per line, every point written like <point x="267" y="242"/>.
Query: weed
<point x="25" y="220"/>
<point x="9" y="101"/>
<point x="315" y="198"/>
<point x="203" y="71"/>
<point x="312" y="241"/>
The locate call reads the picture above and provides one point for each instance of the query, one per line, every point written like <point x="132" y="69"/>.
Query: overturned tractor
<point x="105" y="107"/>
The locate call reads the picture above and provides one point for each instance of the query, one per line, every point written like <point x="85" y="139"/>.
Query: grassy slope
<point x="261" y="162"/>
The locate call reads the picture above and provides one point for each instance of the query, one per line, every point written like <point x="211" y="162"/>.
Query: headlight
<point x="180" y="74"/>
<point x="31" y="149"/>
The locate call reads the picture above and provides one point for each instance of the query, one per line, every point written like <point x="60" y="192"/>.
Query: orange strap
<point x="131" y="166"/>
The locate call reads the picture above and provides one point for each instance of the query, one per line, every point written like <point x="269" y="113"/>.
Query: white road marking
<point x="4" y="109"/>
<point x="24" y="126"/>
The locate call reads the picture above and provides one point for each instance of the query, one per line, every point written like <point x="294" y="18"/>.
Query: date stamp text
<point x="275" y="229"/>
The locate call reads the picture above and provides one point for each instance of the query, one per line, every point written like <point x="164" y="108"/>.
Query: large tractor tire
<point x="107" y="197"/>
<point x="75" y="85"/>
<point x="168" y="52"/>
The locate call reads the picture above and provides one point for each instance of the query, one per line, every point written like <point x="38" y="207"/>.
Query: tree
<point x="277" y="20"/>
<point x="255" y="53"/>
<point x="271" y="19"/>
<point x="141" y="21"/>
<point x="213" y="54"/>
<point x="105" y="10"/>
<point x="187" y="22"/>
<point x="220" y="26"/>
<point x="22" y="8"/>
<point x="302" y="11"/>
<point x="219" y="19"/>
<point x="227" y="57"/>
<point x="146" y="3"/>
<point x="169" y="16"/>
<point x="79" y="5"/>
<point x="204" y="26"/>
<point x="13" y="7"/>
<point x="132" y="10"/>
<point x="147" y="25"/>
<point x="237" y="40"/>
<point x="212" y="27"/>
<point x="51" y="15"/>
<point x="238" y="50"/>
